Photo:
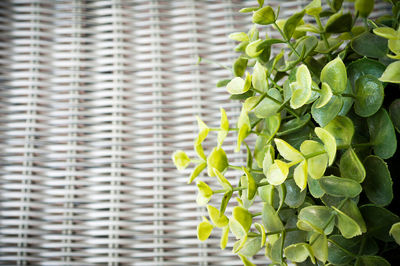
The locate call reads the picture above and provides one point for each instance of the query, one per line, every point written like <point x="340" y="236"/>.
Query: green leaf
<point x="340" y="186"/>
<point x="317" y="164"/>
<point x="268" y="107"/>
<point x="364" y="7"/>
<point x="224" y="237"/>
<point x="267" y="193"/>
<point x="252" y="48"/>
<point x="204" y="229"/>
<point x="199" y="150"/>
<point x="299" y="252"/>
<point x="392" y="73"/>
<point x="317" y="218"/>
<point x="301" y="89"/>
<point x="300" y="175"/>
<point x="275" y="251"/>
<point x="224" y="128"/>
<point x="394" y="111"/>
<point x="180" y="159"/>
<point x="372" y="260"/>
<point x="376" y="48"/>
<point x="203" y="131"/>
<point x="336" y="255"/>
<point x="243" y="216"/>
<point x="351" y="167"/>
<point x="347" y="226"/>
<point x="216" y="217"/>
<point x="369" y="95"/>
<point x="335" y="75"/>
<point x="314" y="187"/>
<point x="205" y="193"/>
<point x="268" y="159"/>
<point x="239" y="244"/>
<point x="382" y="134"/>
<point x="277" y="172"/>
<point x="342" y="129"/>
<point x="335" y="5"/>
<point x="320" y="246"/>
<point x="294" y="196"/>
<point x="339" y="23"/>
<point x="350" y="209"/>
<point x="259" y="78"/>
<point x="244" y="127"/>
<point x="251" y="184"/>
<point x="270" y="219"/>
<point x="239" y="67"/>
<point x="237" y="228"/>
<point x="222" y="83"/>
<point x="218" y="160"/>
<point x="249" y="9"/>
<point x="293" y="125"/>
<point x="251" y="246"/>
<point x="395" y="232"/>
<point x="291" y="24"/>
<point x="239" y="36"/>
<point x="287" y="151"/>
<point x="246" y="261"/>
<point x="329" y="143"/>
<point x="386" y="32"/>
<point x="378" y="183"/>
<point x="379" y="221"/>
<point x="364" y="67"/>
<point x="199" y="168"/>
<point x="328" y="112"/>
<point x="222" y="180"/>
<point x="264" y="16"/>
<point x="260" y="228"/>
<point x="325" y="95"/>
<point x="238" y="85"/>
<point x="347" y="101"/>
<point x="260" y="3"/>
<point x="314" y="8"/>
<point x="271" y="126"/>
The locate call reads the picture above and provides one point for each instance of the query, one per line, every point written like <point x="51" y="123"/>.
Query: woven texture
<point x="94" y="98"/>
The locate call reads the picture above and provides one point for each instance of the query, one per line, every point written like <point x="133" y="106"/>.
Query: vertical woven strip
<point x="95" y="95"/>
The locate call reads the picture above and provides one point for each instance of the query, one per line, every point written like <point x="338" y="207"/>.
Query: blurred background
<point x="95" y="96"/>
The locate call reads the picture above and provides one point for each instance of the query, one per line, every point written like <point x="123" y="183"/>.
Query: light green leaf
<point x="203" y="131"/>
<point x="259" y="78"/>
<point x="328" y="112"/>
<point x="239" y="36"/>
<point x="204" y="193"/>
<point x="264" y="16"/>
<point x="224" y="237"/>
<point x="199" y="168"/>
<point x="329" y="143"/>
<point x="382" y="134"/>
<point x="325" y="95"/>
<point x="351" y="167"/>
<point x="204" y="229"/>
<point x="246" y="261"/>
<point x="369" y="95"/>
<point x="350" y="209"/>
<point x="237" y="229"/>
<point x="364" y="7"/>
<point x="342" y="129"/>
<point x="378" y="183"/>
<point x="260" y="228"/>
<point x="291" y="24"/>
<point x="249" y="9"/>
<point x="219" y="219"/>
<point x="180" y="159"/>
<point x="300" y="175"/>
<point x="252" y="48"/>
<point x="251" y="184"/>
<point x="299" y="252"/>
<point x="236" y="86"/>
<point x="301" y="89"/>
<point x="217" y="159"/>
<point x="243" y="216"/>
<point x="320" y="246"/>
<point x="267" y="193"/>
<point x="317" y="164"/>
<point x="314" y="188"/>
<point x="335" y="75"/>
<point x="314" y="8"/>
<point x="340" y="186"/>
<point x="395" y="232"/>
<point x="224" y="128"/>
<point x="287" y="151"/>
<point x="270" y="218"/>
<point x="277" y="172"/>
<point x="392" y="73"/>
<point x="387" y="32"/>
<point x="268" y="107"/>
<point x="251" y="247"/>
<point x="222" y="180"/>
<point x="268" y="159"/>
<point x="244" y="128"/>
<point x="239" y="244"/>
<point x="347" y="226"/>
<point x="316" y="217"/>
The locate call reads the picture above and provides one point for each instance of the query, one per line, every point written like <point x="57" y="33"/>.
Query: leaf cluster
<point x="322" y="132"/>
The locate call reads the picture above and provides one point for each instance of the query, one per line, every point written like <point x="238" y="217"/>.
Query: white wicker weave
<point x="95" y="96"/>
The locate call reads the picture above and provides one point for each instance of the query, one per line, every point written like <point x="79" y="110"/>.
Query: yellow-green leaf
<point x="287" y="151"/>
<point x="277" y="172"/>
<point x="217" y="159"/>
<point x="224" y="237"/>
<point x="395" y="232"/>
<point x="347" y="226"/>
<point x="251" y="184"/>
<point x="199" y="168"/>
<point x="334" y="73"/>
<point x="224" y="128"/>
<point x="314" y="8"/>
<point x="329" y="143"/>
<point x="300" y="175"/>
<point x="180" y="159"/>
<point x="236" y="86"/>
<point x="220" y="220"/>
<point x="392" y="73"/>
<point x="317" y="164"/>
<point x="325" y="95"/>
<point x="264" y="16"/>
<point x="387" y="32"/>
<point x="320" y="246"/>
<point x="239" y="36"/>
<point x="259" y="78"/>
<point x="351" y="167"/>
<point x="204" y="193"/>
<point x="252" y="48"/>
<point x="299" y="252"/>
<point x="222" y="180"/>
<point x="204" y="229"/>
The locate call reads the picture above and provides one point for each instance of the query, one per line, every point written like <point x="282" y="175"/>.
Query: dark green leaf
<point x="372" y="261"/>
<point x="328" y="112"/>
<point x="291" y="24"/>
<point x="379" y="221"/>
<point x="378" y="183"/>
<point x="350" y="208"/>
<point x="294" y="196"/>
<point x="363" y="67"/>
<point x="364" y="7"/>
<point x="369" y="95"/>
<point x="306" y="43"/>
<point x="340" y="23"/>
<point x="336" y="255"/>
<point x="382" y="133"/>
<point x="316" y="218"/>
<point x="335" y="5"/>
<point x="376" y="48"/>
<point x="293" y="125"/>
<point x="239" y="67"/>
<point x="340" y="187"/>
<point x="347" y="101"/>
<point x="394" y="111"/>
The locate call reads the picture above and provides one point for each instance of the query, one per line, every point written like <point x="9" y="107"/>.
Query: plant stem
<point x="322" y="32"/>
<point x="349" y="95"/>
<point x="212" y="62"/>
<point x="281" y="231"/>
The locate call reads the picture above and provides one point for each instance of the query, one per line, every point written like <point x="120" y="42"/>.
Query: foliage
<point x="323" y="132"/>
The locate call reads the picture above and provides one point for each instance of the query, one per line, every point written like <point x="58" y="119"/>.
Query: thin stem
<point x="235" y="167"/>
<point x="200" y="59"/>
<point x="349" y="95"/>
<point x="323" y="35"/>
<point x="256" y="214"/>
<point x="224" y="190"/>
<point x="281" y="231"/>
<point x="219" y="129"/>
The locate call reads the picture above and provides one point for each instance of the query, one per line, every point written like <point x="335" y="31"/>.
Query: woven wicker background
<point x="94" y="98"/>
